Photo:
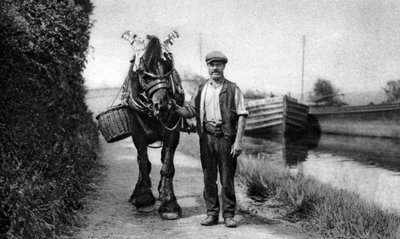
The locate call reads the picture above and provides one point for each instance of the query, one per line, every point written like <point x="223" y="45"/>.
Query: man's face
<point x="216" y="70"/>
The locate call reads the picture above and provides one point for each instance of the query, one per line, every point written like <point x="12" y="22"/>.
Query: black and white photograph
<point x="275" y="119"/>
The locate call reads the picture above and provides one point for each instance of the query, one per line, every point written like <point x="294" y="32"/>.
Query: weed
<point x="333" y="212"/>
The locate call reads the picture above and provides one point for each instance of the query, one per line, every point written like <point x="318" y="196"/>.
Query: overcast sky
<point x="353" y="43"/>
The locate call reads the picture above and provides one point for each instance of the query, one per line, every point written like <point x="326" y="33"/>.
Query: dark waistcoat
<point x="227" y="105"/>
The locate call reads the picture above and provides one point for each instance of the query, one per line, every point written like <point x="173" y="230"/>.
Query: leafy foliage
<point x="251" y="94"/>
<point x="48" y="137"/>
<point x="325" y="93"/>
<point x="392" y="91"/>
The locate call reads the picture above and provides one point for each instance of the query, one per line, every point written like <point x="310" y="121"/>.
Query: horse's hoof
<point x="146" y="209"/>
<point x="169" y="216"/>
<point x="142" y="200"/>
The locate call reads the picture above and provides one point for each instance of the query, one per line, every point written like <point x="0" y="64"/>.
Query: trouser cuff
<point x="212" y="213"/>
<point x="228" y="214"/>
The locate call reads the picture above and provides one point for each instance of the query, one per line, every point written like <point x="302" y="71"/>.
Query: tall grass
<point x="333" y="212"/>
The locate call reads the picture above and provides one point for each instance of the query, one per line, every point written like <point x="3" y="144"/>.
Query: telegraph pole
<point x="302" y="67"/>
<point x="200" y="55"/>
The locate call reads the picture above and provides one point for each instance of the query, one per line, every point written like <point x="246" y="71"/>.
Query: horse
<point x="152" y="83"/>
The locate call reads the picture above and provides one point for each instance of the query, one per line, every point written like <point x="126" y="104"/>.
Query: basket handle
<point x="117" y="95"/>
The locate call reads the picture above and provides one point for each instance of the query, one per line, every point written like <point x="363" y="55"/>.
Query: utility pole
<point x="200" y="55"/>
<point x="302" y="67"/>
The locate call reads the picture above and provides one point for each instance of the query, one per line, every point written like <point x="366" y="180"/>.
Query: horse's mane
<point x="152" y="54"/>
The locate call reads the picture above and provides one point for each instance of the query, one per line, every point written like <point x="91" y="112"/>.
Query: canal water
<point x="367" y="166"/>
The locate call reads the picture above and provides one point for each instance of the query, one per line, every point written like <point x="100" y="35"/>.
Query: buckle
<point x="214" y="130"/>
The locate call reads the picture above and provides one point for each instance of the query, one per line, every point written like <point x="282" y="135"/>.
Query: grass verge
<point x="316" y="206"/>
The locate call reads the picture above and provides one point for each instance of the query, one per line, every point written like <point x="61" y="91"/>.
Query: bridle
<point x="158" y="82"/>
<point x="142" y="102"/>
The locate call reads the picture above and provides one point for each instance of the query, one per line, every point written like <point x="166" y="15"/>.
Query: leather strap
<point x="156" y="85"/>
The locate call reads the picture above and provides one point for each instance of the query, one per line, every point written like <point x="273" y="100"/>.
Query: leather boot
<point x="209" y="221"/>
<point x="230" y="222"/>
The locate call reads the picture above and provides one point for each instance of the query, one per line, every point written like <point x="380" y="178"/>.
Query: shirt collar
<point x="213" y="83"/>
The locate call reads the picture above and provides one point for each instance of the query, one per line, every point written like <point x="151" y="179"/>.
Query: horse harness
<point x="143" y="102"/>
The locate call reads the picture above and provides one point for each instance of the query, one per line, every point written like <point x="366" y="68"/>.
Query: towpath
<point x="110" y="215"/>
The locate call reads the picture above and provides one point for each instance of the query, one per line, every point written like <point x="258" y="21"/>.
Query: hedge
<point x="48" y="138"/>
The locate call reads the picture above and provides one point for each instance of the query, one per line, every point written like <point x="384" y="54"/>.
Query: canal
<point x="367" y="166"/>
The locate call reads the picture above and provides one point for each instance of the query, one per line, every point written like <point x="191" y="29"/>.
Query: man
<point x="218" y="105"/>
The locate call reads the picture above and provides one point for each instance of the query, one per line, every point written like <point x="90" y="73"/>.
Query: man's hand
<point x="237" y="146"/>
<point x="174" y="105"/>
<point x="236" y="149"/>
<point x="187" y="111"/>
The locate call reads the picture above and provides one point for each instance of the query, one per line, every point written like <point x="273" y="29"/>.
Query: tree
<point x="392" y="91"/>
<point x="255" y="94"/>
<point x="325" y="93"/>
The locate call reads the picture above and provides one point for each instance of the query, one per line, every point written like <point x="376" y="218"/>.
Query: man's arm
<point x="237" y="146"/>
<point x="242" y="114"/>
<point x="187" y="110"/>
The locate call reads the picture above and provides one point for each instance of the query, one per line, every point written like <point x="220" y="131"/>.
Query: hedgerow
<point x="48" y="137"/>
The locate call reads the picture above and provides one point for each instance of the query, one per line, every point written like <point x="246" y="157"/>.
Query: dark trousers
<point x="215" y="156"/>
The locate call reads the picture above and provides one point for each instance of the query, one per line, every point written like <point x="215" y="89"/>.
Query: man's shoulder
<point x="202" y="84"/>
<point x="230" y="84"/>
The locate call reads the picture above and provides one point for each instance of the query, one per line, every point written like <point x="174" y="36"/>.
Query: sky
<point x="355" y="44"/>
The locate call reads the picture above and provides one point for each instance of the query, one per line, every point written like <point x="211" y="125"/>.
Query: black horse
<point x="151" y="87"/>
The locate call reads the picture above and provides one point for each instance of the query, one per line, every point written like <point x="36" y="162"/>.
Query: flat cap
<point x="216" y="56"/>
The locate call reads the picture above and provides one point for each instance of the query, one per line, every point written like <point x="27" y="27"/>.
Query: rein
<point x="174" y="127"/>
<point x="157" y="84"/>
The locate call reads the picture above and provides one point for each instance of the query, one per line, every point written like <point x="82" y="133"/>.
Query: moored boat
<point x="275" y="116"/>
<point x="381" y="120"/>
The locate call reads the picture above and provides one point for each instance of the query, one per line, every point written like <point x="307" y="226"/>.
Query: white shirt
<point x="209" y="102"/>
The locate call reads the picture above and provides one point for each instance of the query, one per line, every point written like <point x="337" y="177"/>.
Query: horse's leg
<point x="169" y="208"/>
<point x="161" y="177"/>
<point x="142" y="195"/>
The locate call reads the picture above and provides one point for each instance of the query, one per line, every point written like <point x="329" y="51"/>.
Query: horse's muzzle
<point x="161" y="109"/>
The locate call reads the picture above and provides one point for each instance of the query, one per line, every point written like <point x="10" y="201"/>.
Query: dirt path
<point x="110" y="215"/>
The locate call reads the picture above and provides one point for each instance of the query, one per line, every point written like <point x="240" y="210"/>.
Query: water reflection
<point x="291" y="147"/>
<point x="294" y="148"/>
<point x="365" y="165"/>
<point x="295" y="145"/>
<point x="381" y="152"/>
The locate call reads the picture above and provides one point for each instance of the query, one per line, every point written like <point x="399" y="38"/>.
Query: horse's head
<point x="156" y="70"/>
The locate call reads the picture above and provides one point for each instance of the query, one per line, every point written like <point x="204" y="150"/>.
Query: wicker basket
<point x="116" y="123"/>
